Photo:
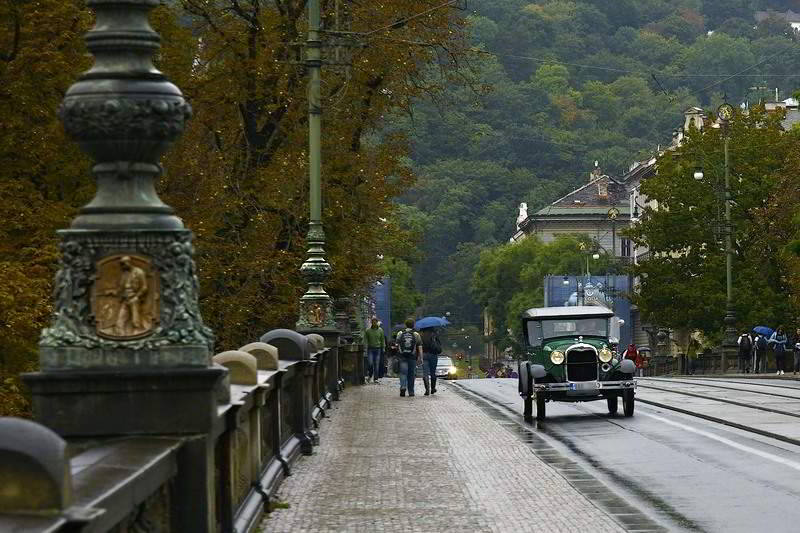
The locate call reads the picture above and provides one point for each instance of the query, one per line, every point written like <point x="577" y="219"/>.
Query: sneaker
<point x="782" y="372"/>
<point x="778" y="373"/>
<point x="402" y="392"/>
<point x="411" y="394"/>
<point x="427" y="393"/>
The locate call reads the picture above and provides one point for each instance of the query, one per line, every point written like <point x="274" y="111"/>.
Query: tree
<point x="509" y="278"/>
<point x="239" y="175"/>
<point x="43" y="175"/>
<point x="683" y="283"/>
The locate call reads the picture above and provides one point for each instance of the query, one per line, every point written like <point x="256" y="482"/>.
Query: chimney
<point x="596" y="172"/>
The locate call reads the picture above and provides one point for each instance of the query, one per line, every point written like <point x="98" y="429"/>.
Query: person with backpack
<point x="409" y="348"/>
<point x="778" y="341"/>
<point x="431" y="348"/>
<point x="760" y="353"/>
<point x="745" y="343"/>
<point x="376" y="343"/>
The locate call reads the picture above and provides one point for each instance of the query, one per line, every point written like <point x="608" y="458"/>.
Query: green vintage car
<point x="570" y="359"/>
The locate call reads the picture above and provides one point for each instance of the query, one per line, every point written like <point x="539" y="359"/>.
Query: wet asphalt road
<point x="687" y="473"/>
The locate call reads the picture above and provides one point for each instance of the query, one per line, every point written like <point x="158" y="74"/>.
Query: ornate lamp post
<point x="316" y="306"/>
<point x="126" y="292"/>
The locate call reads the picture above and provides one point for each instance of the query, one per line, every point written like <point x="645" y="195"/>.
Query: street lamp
<point x="725" y="113"/>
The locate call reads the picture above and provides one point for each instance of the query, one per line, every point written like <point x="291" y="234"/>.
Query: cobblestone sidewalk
<point x="425" y="464"/>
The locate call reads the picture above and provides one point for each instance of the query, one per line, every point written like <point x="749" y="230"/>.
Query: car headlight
<point x="557" y="357"/>
<point x="452" y="370"/>
<point x="604" y="355"/>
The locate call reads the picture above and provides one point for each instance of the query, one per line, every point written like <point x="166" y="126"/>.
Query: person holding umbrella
<point x="760" y="348"/>
<point x="431" y="348"/>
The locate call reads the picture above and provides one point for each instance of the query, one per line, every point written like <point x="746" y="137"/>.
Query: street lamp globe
<point x="565" y="281"/>
<point x="698" y="173"/>
<point x="595" y="256"/>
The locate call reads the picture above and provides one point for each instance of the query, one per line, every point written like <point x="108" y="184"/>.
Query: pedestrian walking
<point x="760" y="352"/>
<point x="796" y="350"/>
<point x="431" y="348"/>
<point x="745" y="342"/>
<point x="376" y="343"/>
<point x="778" y="341"/>
<point x="409" y="346"/>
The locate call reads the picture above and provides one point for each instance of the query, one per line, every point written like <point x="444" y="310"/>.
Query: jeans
<point x="374" y="355"/>
<point x="382" y="366"/>
<point x="408" y="368"/>
<point x="760" y="360"/>
<point x="797" y="361"/>
<point x="429" y="362"/>
<point x="779" y="360"/>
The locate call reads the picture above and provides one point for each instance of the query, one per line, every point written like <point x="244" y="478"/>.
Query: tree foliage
<point x="239" y="175"/>
<point x="573" y="81"/>
<point x="683" y="282"/>
<point x="42" y="176"/>
<point x="509" y="278"/>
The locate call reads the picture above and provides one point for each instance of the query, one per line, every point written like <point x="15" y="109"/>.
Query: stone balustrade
<point x="270" y="401"/>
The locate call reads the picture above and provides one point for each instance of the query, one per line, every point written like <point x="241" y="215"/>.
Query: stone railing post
<point x="34" y="469"/>
<point x="127" y="351"/>
<point x="292" y="346"/>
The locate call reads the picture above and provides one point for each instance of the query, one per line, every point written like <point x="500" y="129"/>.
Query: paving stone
<point x="426" y="464"/>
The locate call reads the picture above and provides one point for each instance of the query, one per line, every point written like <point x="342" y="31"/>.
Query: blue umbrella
<point x="431" y="322"/>
<point x="763" y="330"/>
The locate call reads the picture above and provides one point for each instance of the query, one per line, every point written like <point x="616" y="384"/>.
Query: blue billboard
<point x="609" y="291"/>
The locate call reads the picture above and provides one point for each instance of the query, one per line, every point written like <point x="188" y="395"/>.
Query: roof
<point x="581" y="210"/>
<point x="788" y="16"/>
<point x="567" y="311"/>
<point x="588" y="196"/>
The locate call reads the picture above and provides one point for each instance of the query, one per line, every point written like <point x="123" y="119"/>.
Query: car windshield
<point x="560" y="327"/>
<point x="445" y="361"/>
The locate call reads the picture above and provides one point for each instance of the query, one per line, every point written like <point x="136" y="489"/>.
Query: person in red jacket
<point x="633" y="354"/>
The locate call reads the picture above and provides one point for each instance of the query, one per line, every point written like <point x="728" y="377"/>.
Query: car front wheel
<point x="627" y="402"/>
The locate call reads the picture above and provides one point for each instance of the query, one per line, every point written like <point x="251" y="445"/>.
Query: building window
<point x="626" y="248"/>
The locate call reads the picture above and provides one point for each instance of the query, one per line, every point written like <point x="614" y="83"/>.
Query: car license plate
<point x="589" y="385"/>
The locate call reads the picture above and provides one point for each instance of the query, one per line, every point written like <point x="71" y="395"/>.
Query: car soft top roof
<point x="568" y="311"/>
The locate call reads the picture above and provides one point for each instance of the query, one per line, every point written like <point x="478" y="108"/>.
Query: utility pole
<point x="725" y="113"/>
<point x="316" y="309"/>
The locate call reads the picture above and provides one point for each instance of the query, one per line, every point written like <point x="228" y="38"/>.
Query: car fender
<point x="538" y="371"/>
<point x="524" y="379"/>
<point x="627" y="366"/>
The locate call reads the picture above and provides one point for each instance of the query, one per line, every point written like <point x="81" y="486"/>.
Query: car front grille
<point x="581" y="365"/>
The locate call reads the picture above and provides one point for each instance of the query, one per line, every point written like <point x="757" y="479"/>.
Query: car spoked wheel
<point x="627" y="402"/>
<point x="613" y="401"/>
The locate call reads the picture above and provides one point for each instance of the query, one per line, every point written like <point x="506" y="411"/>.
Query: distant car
<point x="445" y="368"/>
<point x="569" y="359"/>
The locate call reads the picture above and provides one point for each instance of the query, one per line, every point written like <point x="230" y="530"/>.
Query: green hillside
<point x="571" y="82"/>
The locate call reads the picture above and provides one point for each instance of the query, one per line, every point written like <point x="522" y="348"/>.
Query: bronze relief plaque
<point x="316" y="315"/>
<point x="125" y="297"/>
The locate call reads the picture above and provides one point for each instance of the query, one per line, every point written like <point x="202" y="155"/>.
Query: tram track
<point x="678" y="442"/>
<point x="703" y="383"/>
<point x="716" y="419"/>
